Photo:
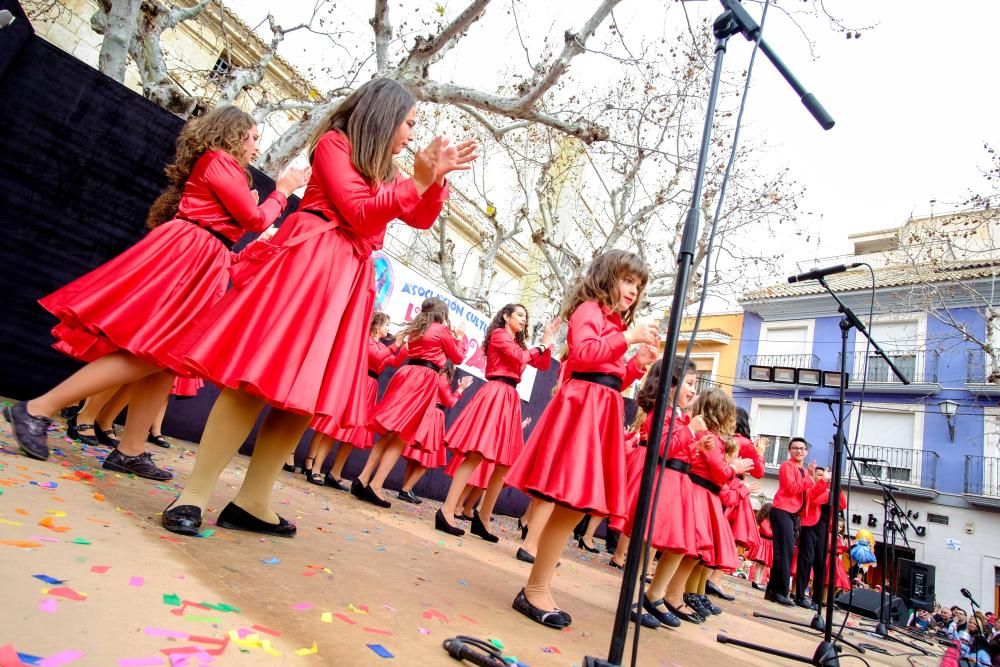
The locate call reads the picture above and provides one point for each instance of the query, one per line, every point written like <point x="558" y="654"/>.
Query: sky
<point x="913" y="99"/>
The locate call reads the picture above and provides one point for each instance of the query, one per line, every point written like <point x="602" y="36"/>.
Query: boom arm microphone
<point x="862" y="459"/>
<point x="826" y="401"/>
<point x="822" y="273"/>
<point x="965" y="592"/>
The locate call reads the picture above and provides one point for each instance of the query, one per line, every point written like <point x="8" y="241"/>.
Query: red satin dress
<point x="576" y="454"/>
<point x="843" y="581"/>
<point x="480" y="477"/>
<point x="763" y="552"/>
<point x="715" y="538"/>
<point x="490" y="424"/>
<point x="296" y="330"/>
<point x="379" y="357"/>
<point x="635" y="457"/>
<point x="428" y="442"/>
<point x="735" y="498"/>
<point x="414" y="389"/>
<point x="145" y="300"/>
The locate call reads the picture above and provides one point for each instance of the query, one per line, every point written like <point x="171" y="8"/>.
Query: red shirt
<point x="733" y="493"/>
<point x="597" y="344"/>
<point x="343" y="195"/>
<point x="437" y="345"/>
<point x="712" y="464"/>
<point x="216" y="196"/>
<point x="749" y="451"/>
<point x="793" y="483"/>
<point x="505" y="358"/>
<point x="380" y="356"/>
<point x="446" y="396"/>
<point x="765" y="529"/>
<point x="681" y="442"/>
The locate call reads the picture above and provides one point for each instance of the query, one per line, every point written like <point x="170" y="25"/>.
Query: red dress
<point x="736" y="500"/>
<point x="295" y="332"/>
<point x="576" y="454"/>
<point x="843" y="581"/>
<point x="715" y="538"/>
<point x="379" y="356"/>
<point x="480" y="477"/>
<point x="491" y="423"/>
<point x="428" y="442"/>
<point x="413" y="390"/>
<point x="144" y="300"/>
<point x="763" y="552"/>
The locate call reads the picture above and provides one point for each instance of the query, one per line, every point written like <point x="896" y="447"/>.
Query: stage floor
<point x="361" y="585"/>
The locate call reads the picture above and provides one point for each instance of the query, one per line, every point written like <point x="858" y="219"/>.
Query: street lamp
<point x="949" y="409"/>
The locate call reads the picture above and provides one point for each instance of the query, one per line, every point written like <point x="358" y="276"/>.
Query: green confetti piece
<point x="222" y="606"/>
<point x="497" y="643"/>
<point x="172" y="599"/>
<point x="81" y="540"/>
<point x="510" y="659"/>
<point x="203" y="619"/>
<point x="208" y="532"/>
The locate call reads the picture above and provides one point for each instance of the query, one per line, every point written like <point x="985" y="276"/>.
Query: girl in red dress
<point x="358" y="437"/>
<point x="126" y="316"/>
<point x="292" y="333"/>
<point x="762" y="554"/>
<point x="575" y="457"/>
<point x="410" y="394"/>
<point x="843" y="582"/>
<point x="428" y="450"/>
<point x="488" y="431"/>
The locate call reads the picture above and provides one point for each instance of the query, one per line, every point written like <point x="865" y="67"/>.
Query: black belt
<point x="501" y="378"/>
<point x="643" y="443"/>
<point x="426" y="364"/>
<point x="225" y="241"/>
<point x="603" y="379"/>
<point x="373" y="375"/>
<point x="676" y="464"/>
<point x="441" y="406"/>
<point x="705" y="483"/>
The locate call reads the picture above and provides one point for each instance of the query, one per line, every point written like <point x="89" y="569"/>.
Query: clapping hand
<point x="549" y="333"/>
<point x="646" y="355"/>
<point x="643" y="333"/>
<point x="464" y="383"/>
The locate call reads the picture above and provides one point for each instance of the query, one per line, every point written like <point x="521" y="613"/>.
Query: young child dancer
<point x="735" y="498"/>
<point x="575" y="457"/>
<point x="380" y="356"/>
<point x="762" y="554"/>
<point x="489" y="429"/>
<point x="126" y="316"/>
<point x="410" y="394"/>
<point x="428" y="450"/>
<point x="293" y="333"/>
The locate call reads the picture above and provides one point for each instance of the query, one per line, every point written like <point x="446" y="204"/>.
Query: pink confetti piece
<point x="48" y="605"/>
<point x="434" y="613"/>
<point x="100" y="569"/>
<point x="423" y="631"/>
<point x="138" y="582"/>
<point x="140" y="662"/>
<point x="302" y="606"/>
<point x="469" y="619"/>
<point x="61" y="658"/>
<point x="42" y="538"/>
<point x="162" y="632"/>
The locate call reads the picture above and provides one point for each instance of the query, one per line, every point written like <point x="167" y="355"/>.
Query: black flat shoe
<point x="288" y="468"/>
<point x="479" y="529"/>
<point x="806" y="604"/>
<point x="316" y="478"/>
<point x="409" y="497"/>
<point x="183" y="519"/>
<point x="332" y="481"/>
<point x="642" y="618"/>
<point x="664" y="615"/>
<point x="712" y="589"/>
<point x="583" y="545"/>
<point x="462" y="517"/>
<point x="694" y="602"/>
<point x="235" y="517"/>
<point x="73" y="432"/>
<point x="757" y="587"/>
<point x="523" y="527"/>
<point x="550" y="619"/>
<point x="357" y="489"/>
<point x="709" y="605"/>
<point x="31" y="432"/>
<point x="783" y="600"/>
<point x="71" y="411"/>
<point x="615" y="565"/>
<point x="692" y="617"/>
<point x="524" y="556"/>
<point x="141" y="465"/>
<point x="440" y="523"/>
<point x="157" y="440"/>
<point x="307" y="469"/>
<point x="375" y="499"/>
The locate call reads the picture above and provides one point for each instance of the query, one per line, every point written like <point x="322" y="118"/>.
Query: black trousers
<point x="783" y="524"/>
<point x="812" y="559"/>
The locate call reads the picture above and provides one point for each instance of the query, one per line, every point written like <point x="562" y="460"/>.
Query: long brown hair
<point x="646" y="396"/>
<point x="369" y="118"/>
<point x="718" y="410"/>
<point x="499" y="322"/>
<point x="378" y="320"/>
<point x="223" y="128"/>
<point x="600" y="283"/>
<point x="431" y="310"/>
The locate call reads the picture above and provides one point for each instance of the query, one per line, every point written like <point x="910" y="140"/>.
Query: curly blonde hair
<point x="718" y="410"/>
<point x="223" y="128"/>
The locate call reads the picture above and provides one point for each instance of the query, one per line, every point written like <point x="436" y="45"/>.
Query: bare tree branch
<point x="383" y="34"/>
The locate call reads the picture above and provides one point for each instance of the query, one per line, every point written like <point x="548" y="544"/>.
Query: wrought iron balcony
<point x="919" y="365"/>
<point x="898" y="465"/>
<point x="704" y="384"/>
<point x="982" y="476"/>
<point x="782" y="360"/>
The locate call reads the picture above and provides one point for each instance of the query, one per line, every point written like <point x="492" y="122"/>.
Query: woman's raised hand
<point x="464" y="383"/>
<point x="454" y="157"/>
<point x="291" y="179"/>
<point x="646" y="355"/>
<point x="549" y="333"/>
<point x="425" y="162"/>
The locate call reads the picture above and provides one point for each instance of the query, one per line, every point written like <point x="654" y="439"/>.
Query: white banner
<point x="399" y="290"/>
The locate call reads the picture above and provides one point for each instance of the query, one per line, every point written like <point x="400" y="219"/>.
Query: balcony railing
<point x="982" y="476"/>
<point x="898" y="465"/>
<point x="980" y="369"/>
<point x="704" y="384"/>
<point x="919" y="365"/>
<point x="783" y="360"/>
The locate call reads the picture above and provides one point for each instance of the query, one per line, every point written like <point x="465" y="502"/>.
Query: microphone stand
<point x="734" y="20"/>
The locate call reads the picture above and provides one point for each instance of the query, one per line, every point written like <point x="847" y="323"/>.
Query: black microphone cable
<point x="476" y="651"/>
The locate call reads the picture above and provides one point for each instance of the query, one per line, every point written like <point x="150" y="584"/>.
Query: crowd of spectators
<point x="977" y="636"/>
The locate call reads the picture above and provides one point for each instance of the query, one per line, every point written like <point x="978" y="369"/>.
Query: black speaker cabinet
<point x="866" y="602"/>
<point x="915" y="583"/>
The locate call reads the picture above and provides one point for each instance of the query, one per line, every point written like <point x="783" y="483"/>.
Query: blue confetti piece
<point x="463" y="582"/>
<point x="49" y="580"/>
<point x="271" y="561"/>
<point x="29" y="659"/>
<point x="380" y="651"/>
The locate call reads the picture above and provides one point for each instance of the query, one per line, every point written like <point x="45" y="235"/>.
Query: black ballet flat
<point x="288" y="468"/>
<point x="712" y="589"/>
<point x="664" y="616"/>
<point x="409" y="497"/>
<point x="583" y="545"/>
<point x="332" y="481"/>
<point x="440" y="523"/>
<point x="370" y="496"/>
<point x="523" y="527"/>
<point x="709" y="605"/>
<point x="183" y="519"/>
<point x="71" y="411"/>
<point x="615" y="565"/>
<point x="693" y="617"/>
<point x="235" y="517"/>
<point x="550" y="619"/>
<point x="524" y="556"/>
<point x="73" y="432"/>
<point x="357" y="489"/>
<point x="316" y="478"/>
<point x="307" y="469"/>
<point x="757" y="587"/>
<point x="157" y="440"/>
<point x="479" y="529"/>
<point x="642" y="618"/>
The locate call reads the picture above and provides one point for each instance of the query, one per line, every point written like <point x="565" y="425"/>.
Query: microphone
<point x="459" y="649"/>
<point x="6" y="18"/>
<point x="822" y="273"/>
<point x="965" y="593"/>
<point x="863" y="459"/>
<point x="826" y="401"/>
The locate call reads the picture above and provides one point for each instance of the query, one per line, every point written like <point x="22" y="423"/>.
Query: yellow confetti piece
<point x="325" y="569"/>
<point x="351" y="607"/>
<point x="326" y="617"/>
<point x="250" y="641"/>
<point x="56" y="513"/>
<point x="99" y="497"/>
<point x="270" y="650"/>
<point x="307" y="651"/>
<point x="11" y="523"/>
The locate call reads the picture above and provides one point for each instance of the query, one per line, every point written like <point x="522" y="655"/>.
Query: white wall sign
<point x="953" y="544"/>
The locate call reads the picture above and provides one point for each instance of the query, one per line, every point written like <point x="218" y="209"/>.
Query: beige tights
<point x="551" y="543"/>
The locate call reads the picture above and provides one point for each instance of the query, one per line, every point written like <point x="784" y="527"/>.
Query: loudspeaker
<point x="867" y="602"/>
<point x="915" y="583"/>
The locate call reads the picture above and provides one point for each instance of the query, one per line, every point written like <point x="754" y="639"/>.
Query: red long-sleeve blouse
<point x="711" y="464"/>
<point x="597" y="344"/>
<point x="437" y="345"/>
<point x="749" y="451"/>
<point x="793" y="482"/>
<point x="341" y="194"/>
<point x="446" y="396"/>
<point x="380" y="356"/>
<point x="505" y="358"/>
<point x="733" y="492"/>
<point x="216" y="196"/>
